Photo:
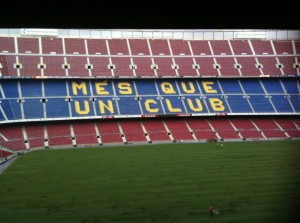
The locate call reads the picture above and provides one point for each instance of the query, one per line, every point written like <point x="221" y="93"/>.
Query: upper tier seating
<point x="122" y="58"/>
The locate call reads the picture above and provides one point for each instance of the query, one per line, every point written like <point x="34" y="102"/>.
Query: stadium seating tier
<point x="48" y="80"/>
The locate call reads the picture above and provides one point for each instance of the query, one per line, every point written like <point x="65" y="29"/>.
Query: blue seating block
<point x="281" y="103"/>
<point x="67" y="98"/>
<point x="173" y="105"/>
<point x="216" y="108"/>
<point x="129" y="105"/>
<point x="10" y="88"/>
<point x="33" y="108"/>
<point x="261" y="104"/>
<point x="106" y="106"/>
<point x="14" y="108"/>
<point x="252" y="86"/>
<point x="295" y="99"/>
<point x="146" y="87"/>
<point x="239" y="104"/>
<point x="124" y="87"/>
<point x="199" y="105"/>
<point x="272" y="85"/>
<point x="30" y="88"/>
<point x="165" y="86"/>
<point x="81" y="106"/>
<point x="213" y="84"/>
<point x="231" y="86"/>
<point x="57" y="108"/>
<point x="55" y="88"/>
<point x="151" y="105"/>
<point x="188" y="87"/>
<point x="290" y="86"/>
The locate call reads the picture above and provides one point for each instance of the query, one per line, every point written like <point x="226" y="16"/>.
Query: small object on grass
<point x="213" y="211"/>
<point x="216" y="212"/>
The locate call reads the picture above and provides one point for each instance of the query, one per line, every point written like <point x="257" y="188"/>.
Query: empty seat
<point x="74" y="46"/>
<point x="28" y="45"/>
<point x="52" y="45"/>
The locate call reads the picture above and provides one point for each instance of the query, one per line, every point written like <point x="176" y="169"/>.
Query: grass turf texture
<point x="248" y="182"/>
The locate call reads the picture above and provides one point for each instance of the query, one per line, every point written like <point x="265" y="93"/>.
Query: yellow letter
<point x="171" y="109"/>
<point x="208" y="89"/>
<point x="216" y="104"/>
<point x="167" y="88"/>
<point x="109" y="107"/>
<point x="198" y="102"/>
<point x="151" y="110"/>
<point x="86" y="108"/>
<point x="100" y="89"/>
<point x="191" y="90"/>
<point x="81" y="86"/>
<point x="124" y="88"/>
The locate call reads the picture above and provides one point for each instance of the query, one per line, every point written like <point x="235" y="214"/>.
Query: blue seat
<point x="145" y="87"/>
<point x="214" y="86"/>
<point x="106" y="106"/>
<point x="124" y="87"/>
<point x="295" y="99"/>
<point x="10" y="88"/>
<point x="272" y="86"/>
<point x="57" y="108"/>
<point x="193" y="106"/>
<point x="129" y="105"/>
<point x="209" y="100"/>
<point x="290" y="86"/>
<point x="55" y="88"/>
<point x="81" y="106"/>
<point x="12" y="109"/>
<point x="102" y="87"/>
<point x="173" y="105"/>
<point x="260" y="103"/>
<point x="281" y="103"/>
<point x="167" y="87"/>
<point x="252" y="86"/>
<point x="230" y="86"/>
<point x="188" y="86"/>
<point x="151" y="105"/>
<point x="239" y="104"/>
<point x="79" y="88"/>
<point x="33" y="108"/>
<point x="31" y="88"/>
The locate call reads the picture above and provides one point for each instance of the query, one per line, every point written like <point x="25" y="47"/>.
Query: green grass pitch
<point x="247" y="181"/>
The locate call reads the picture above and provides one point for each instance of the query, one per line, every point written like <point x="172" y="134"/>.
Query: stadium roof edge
<point x="185" y="34"/>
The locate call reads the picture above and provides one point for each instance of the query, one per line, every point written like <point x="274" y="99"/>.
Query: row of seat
<point x="37" y="88"/>
<point x="95" y="132"/>
<point x="146" y="66"/>
<point x="46" y="45"/>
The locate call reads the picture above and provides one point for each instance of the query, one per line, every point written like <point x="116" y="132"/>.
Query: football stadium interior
<point x="99" y="87"/>
<point x="62" y="88"/>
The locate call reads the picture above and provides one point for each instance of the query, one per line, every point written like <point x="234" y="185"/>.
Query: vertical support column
<point x="169" y="132"/>
<point x="122" y="134"/>
<point x="98" y="135"/>
<point x="46" y="137"/>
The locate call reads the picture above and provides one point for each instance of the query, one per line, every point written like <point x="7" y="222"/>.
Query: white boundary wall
<point x="199" y="34"/>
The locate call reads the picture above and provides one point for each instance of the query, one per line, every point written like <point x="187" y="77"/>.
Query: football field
<point x="245" y="181"/>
